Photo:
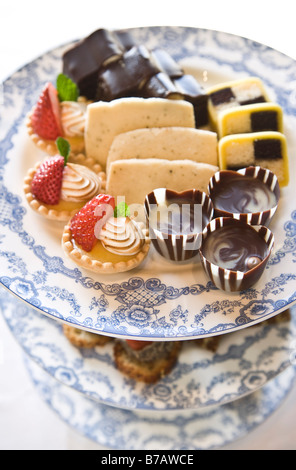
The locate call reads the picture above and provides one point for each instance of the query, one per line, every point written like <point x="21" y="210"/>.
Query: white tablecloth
<point x="26" y="31"/>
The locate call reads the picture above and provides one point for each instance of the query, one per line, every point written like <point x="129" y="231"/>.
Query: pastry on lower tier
<point x="84" y="339"/>
<point x="59" y="112"/>
<point x="170" y="143"/>
<point x="265" y="149"/>
<point x="134" y="178"/>
<point x="56" y="188"/>
<point x="146" y="361"/>
<point x="105" y="120"/>
<point x="249" y="90"/>
<point x="98" y="241"/>
<point x="250" y="118"/>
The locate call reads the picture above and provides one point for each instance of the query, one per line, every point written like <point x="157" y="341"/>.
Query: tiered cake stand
<point x="211" y="397"/>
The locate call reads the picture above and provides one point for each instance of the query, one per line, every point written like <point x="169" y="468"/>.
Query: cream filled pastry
<point x="122" y="236"/>
<point x="57" y="189"/>
<point x="98" y="241"/>
<point x="58" y="112"/>
<point x="73" y="118"/>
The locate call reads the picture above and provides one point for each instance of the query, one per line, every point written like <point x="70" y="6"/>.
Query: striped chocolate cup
<point x="227" y="279"/>
<point x="262" y="174"/>
<point x="177" y="247"/>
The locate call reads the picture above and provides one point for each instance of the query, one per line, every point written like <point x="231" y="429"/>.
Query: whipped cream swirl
<point x="73" y="118"/>
<point x="122" y="236"/>
<point x="79" y="184"/>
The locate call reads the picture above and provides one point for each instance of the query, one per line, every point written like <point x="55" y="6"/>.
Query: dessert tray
<point x="206" y="429"/>
<point x="159" y="300"/>
<point x="242" y="363"/>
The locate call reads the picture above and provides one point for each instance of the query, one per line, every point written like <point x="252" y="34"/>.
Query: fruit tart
<point x="56" y="188"/>
<point x="103" y="240"/>
<point x="59" y="112"/>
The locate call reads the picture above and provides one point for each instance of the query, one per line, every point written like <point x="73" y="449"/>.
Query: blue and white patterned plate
<point x="158" y="300"/>
<point x="133" y="430"/>
<point x="243" y="362"/>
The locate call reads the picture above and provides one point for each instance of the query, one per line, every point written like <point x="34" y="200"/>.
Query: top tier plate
<point x="159" y="300"/>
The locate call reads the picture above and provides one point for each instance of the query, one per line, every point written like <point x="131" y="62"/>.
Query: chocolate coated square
<point x="126" y="76"/>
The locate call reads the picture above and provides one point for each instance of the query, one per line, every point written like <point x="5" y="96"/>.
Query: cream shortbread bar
<point x="265" y="149"/>
<point x="240" y="92"/>
<point x="170" y="143"/>
<point x="250" y="118"/>
<point x="105" y="120"/>
<point x="133" y="178"/>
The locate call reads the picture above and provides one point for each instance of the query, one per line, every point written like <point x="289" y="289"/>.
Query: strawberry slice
<point x="83" y="224"/>
<point x="46" y="120"/>
<point x="47" y="181"/>
<point x="137" y="345"/>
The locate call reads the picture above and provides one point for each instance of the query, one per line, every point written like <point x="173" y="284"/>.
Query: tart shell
<point x="81" y="258"/>
<point x="55" y="214"/>
<point x="49" y="146"/>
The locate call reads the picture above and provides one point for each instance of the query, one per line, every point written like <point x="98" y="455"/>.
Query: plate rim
<point x="137" y="335"/>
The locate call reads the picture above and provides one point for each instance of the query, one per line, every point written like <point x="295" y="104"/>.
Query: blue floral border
<point x="138" y="299"/>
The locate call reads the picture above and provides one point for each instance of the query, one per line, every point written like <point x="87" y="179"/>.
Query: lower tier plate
<point x="130" y="430"/>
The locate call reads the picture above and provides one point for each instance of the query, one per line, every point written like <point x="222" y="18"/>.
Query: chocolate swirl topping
<point x="243" y="195"/>
<point x="235" y="248"/>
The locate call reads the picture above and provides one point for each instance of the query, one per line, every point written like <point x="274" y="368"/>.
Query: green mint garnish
<point x="121" y="210"/>
<point x="66" y="88"/>
<point x="63" y="148"/>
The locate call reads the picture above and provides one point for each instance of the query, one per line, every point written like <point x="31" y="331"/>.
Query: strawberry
<point x="137" y="345"/>
<point x="46" y="121"/>
<point x="47" y="181"/>
<point x="83" y="224"/>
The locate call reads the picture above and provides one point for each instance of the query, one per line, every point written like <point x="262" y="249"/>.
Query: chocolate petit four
<point x="84" y="59"/>
<point x="265" y="149"/>
<point x="234" y="254"/>
<point x="176" y="221"/>
<point x="127" y="75"/>
<point x="108" y="65"/>
<point x="251" y="194"/>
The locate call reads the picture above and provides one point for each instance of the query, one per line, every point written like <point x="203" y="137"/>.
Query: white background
<point x="30" y="28"/>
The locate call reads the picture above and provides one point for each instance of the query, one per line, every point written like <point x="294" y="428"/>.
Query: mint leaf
<point x="121" y="210"/>
<point x="63" y="148"/>
<point x="66" y="88"/>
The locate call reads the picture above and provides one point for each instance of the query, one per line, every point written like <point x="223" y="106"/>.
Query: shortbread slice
<point x="131" y="179"/>
<point x="105" y="120"/>
<point x="169" y="143"/>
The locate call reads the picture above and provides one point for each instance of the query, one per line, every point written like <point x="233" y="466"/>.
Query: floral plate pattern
<point x="158" y="300"/>
<point x="133" y="430"/>
<point x="242" y="363"/>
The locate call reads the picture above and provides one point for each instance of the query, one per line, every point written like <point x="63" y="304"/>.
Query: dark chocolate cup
<point x="226" y="279"/>
<point x="265" y="176"/>
<point x="180" y="247"/>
